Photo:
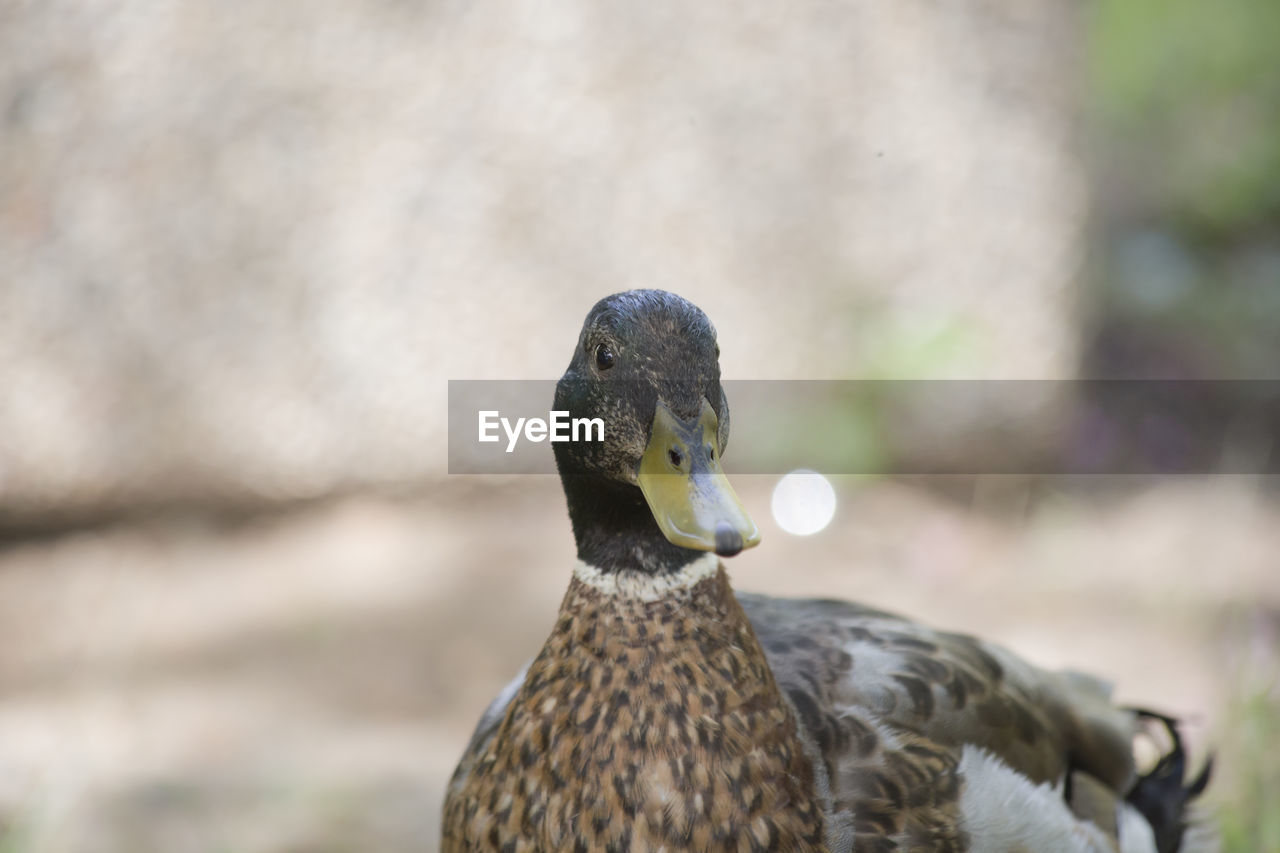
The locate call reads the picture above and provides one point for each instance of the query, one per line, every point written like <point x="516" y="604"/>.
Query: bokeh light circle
<point x="804" y="502"/>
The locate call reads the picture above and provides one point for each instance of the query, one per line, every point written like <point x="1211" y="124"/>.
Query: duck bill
<point x="687" y="490"/>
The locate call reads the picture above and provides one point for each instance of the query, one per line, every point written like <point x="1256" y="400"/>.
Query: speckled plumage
<point x="641" y="724"/>
<point x="892" y="705"/>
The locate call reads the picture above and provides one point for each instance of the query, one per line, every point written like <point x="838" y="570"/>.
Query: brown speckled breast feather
<point x="641" y="725"/>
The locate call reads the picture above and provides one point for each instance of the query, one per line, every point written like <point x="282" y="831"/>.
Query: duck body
<point x="680" y="716"/>
<point x="666" y="712"/>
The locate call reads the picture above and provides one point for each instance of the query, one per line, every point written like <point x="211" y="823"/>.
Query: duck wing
<point x="927" y="737"/>
<point x="488" y="726"/>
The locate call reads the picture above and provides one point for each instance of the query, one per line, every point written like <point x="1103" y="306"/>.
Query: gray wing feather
<point x="490" y="720"/>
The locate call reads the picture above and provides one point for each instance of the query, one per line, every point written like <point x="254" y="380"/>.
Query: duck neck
<point x="615" y="530"/>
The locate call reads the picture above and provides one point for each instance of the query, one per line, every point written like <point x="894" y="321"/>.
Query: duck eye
<point x="604" y="357"/>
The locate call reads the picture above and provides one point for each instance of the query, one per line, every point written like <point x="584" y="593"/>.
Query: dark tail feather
<point x="1160" y="795"/>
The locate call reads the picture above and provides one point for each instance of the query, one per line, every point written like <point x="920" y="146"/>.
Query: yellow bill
<point x="687" y="490"/>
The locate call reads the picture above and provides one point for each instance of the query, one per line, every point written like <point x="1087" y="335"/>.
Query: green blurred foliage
<point x="1192" y="91"/>
<point x="1185" y="106"/>
<point x="1248" y="812"/>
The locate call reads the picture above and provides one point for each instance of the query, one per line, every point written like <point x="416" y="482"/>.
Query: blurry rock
<point x="242" y="246"/>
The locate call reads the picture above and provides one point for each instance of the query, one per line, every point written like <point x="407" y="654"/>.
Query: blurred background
<point x="244" y="246"/>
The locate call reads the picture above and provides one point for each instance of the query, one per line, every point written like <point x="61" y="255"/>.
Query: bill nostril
<point x="675" y="456"/>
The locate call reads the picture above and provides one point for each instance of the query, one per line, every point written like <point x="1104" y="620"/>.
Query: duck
<point x="665" y="711"/>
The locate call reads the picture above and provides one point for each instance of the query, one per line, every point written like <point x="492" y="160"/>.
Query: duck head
<point x="652" y="495"/>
